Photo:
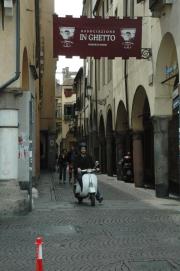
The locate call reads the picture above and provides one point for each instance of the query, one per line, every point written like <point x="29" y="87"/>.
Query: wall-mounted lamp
<point x="89" y="90"/>
<point x="100" y="101"/>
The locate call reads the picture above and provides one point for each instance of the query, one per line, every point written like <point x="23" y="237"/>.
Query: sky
<point x="63" y="8"/>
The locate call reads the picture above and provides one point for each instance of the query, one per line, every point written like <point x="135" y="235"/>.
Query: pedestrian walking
<point x="71" y="155"/>
<point x="62" y="164"/>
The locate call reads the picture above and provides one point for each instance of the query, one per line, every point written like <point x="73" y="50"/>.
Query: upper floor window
<point x="103" y="12"/>
<point x="128" y="8"/>
<point x="68" y="111"/>
<point x="107" y="5"/>
<point x="116" y="12"/>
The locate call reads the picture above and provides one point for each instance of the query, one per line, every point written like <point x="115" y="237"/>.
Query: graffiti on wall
<point x="23" y="146"/>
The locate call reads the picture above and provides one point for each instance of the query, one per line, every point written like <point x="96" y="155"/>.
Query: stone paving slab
<point x="126" y="232"/>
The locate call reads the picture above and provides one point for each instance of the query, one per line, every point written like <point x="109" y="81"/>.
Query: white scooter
<point x="89" y="181"/>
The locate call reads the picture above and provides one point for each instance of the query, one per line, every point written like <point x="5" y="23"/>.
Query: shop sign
<point x="97" y="37"/>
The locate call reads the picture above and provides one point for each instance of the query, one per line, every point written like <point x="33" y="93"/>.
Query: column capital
<point x="160" y="123"/>
<point x="137" y="135"/>
<point x="120" y="136"/>
<point x="109" y="136"/>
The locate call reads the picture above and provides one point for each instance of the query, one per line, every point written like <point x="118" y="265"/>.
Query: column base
<point x="162" y="191"/>
<point x="13" y="201"/>
<point x="140" y="185"/>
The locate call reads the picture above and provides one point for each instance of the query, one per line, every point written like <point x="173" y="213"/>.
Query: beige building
<point x="47" y="86"/>
<point x="134" y="104"/>
<point x="66" y="136"/>
<point x="26" y="83"/>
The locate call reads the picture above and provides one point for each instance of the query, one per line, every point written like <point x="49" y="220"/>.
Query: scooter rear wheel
<point x="92" y="199"/>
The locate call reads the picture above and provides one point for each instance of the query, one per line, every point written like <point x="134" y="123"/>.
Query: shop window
<point x="68" y="112"/>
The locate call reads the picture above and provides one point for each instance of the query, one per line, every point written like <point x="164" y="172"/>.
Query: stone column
<point x="102" y="153"/>
<point x="91" y="147"/>
<point x="119" y="151"/>
<point x="109" y="154"/>
<point x="138" y="159"/>
<point x="12" y="199"/>
<point x="161" y="155"/>
<point x="95" y="145"/>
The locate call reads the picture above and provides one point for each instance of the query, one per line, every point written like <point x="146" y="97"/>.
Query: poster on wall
<point x="97" y="37"/>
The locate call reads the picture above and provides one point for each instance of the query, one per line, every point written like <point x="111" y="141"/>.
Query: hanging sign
<point x="97" y="37"/>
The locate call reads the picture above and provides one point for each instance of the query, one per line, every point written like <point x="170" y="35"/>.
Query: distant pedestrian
<point x="71" y="155"/>
<point x="62" y="164"/>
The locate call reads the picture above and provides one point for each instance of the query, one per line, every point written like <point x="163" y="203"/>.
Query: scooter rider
<point x="84" y="161"/>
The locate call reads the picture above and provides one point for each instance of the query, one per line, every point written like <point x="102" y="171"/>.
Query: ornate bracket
<point x="146" y="53"/>
<point x="101" y="102"/>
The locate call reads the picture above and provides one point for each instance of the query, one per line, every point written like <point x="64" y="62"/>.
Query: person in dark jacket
<point x="84" y="161"/>
<point x="71" y="155"/>
<point x="62" y="163"/>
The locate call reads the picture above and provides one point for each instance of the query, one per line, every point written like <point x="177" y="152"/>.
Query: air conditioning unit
<point x="8" y="8"/>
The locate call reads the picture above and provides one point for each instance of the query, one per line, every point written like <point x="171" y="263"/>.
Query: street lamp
<point x="89" y="90"/>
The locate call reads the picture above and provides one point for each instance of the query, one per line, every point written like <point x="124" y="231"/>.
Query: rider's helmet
<point x="83" y="145"/>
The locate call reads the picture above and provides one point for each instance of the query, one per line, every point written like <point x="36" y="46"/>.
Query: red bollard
<point x="39" y="264"/>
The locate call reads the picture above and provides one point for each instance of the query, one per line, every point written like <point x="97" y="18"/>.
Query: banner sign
<point x="97" y="37"/>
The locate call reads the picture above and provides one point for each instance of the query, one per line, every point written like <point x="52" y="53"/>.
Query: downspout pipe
<point x="17" y="72"/>
<point x="95" y="65"/>
<point x="126" y="74"/>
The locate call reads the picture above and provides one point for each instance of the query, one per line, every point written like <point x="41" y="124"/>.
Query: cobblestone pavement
<point x="130" y="231"/>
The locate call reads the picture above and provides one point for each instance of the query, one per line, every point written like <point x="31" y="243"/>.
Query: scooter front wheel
<point x="80" y="200"/>
<point x="92" y="199"/>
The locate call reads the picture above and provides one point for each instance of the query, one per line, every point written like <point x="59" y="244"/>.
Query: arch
<point x="122" y="136"/>
<point x="122" y="118"/>
<point x="166" y="58"/>
<point x="110" y="145"/>
<point x="101" y="127"/>
<point x="109" y="123"/>
<point x="25" y="71"/>
<point x="138" y="108"/>
<point x="143" y="139"/>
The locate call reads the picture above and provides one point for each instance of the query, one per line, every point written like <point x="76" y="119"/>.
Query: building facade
<point x="21" y="78"/>
<point x="66" y="108"/>
<point x="47" y="86"/>
<point x="134" y="104"/>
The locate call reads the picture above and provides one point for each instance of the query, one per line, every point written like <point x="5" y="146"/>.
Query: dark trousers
<point x="62" y="172"/>
<point x="70" y="171"/>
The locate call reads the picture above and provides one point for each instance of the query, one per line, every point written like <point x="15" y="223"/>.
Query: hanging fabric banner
<point x="97" y="37"/>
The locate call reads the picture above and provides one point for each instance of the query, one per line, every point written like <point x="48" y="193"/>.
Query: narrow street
<point x="125" y="232"/>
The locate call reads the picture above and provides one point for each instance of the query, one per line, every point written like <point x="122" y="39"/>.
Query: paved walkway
<point x="130" y="231"/>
